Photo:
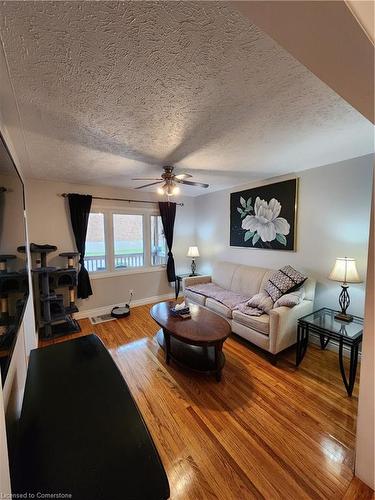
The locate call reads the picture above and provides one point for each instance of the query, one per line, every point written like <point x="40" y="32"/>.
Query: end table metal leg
<point x="323" y="341"/>
<point x="298" y="349"/>
<point x="349" y="385"/>
<point x="177" y="288"/>
<point x="302" y="342"/>
<point x="305" y="342"/>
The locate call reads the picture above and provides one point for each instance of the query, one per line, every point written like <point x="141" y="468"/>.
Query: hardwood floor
<point x="264" y="431"/>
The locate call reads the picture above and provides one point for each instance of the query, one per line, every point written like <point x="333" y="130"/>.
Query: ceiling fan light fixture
<point x="170" y="182"/>
<point x="170" y="189"/>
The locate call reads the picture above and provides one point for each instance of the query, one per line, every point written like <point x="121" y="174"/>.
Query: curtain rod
<point x="65" y="195"/>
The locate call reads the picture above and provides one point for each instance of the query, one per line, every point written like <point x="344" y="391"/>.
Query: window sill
<point x="125" y="272"/>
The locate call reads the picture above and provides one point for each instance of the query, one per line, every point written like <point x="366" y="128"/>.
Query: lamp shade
<point x="345" y="270"/>
<point x="193" y="252"/>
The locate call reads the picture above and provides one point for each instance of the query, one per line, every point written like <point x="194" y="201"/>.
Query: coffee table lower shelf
<point x="206" y="359"/>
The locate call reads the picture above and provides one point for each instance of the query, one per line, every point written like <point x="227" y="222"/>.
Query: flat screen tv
<point x="14" y="284"/>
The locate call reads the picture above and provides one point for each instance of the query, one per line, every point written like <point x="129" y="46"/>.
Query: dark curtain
<point x="80" y="205"/>
<point x="168" y="215"/>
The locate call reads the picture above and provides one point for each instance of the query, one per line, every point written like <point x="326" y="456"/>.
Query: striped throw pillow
<point x="283" y="281"/>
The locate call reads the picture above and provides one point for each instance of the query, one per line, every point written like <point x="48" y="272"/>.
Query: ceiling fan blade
<point x="191" y="183"/>
<point x="151" y="184"/>
<point x="182" y="176"/>
<point x="147" y="179"/>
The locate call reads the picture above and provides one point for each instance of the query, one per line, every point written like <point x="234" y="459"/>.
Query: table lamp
<point x="193" y="252"/>
<point x="345" y="271"/>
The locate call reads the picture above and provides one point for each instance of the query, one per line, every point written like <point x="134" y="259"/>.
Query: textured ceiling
<point x="110" y="90"/>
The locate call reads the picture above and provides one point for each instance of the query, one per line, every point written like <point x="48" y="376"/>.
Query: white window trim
<point x="156" y="214"/>
<point x="124" y="272"/>
<point x="108" y="211"/>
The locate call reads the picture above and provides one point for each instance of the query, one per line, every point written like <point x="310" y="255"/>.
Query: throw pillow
<point x="291" y="299"/>
<point x="283" y="281"/>
<point x="261" y="301"/>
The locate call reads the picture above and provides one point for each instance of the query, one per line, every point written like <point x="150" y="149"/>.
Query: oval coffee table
<point x="194" y="343"/>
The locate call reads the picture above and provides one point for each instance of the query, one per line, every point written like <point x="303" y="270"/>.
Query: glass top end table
<point x="324" y="324"/>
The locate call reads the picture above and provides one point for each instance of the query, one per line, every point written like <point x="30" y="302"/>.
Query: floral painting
<point x="264" y="217"/>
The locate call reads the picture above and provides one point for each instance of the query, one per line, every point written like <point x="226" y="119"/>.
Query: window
<point x="128" y="240"/>
<point x="158" y="243"/>
<point x="95" y="257"/>
<point x="118" y="241"/>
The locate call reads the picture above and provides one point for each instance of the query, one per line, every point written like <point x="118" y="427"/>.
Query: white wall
<point x="365" y="464"/>
<point x="333" y="221"/>
<point x="49" y="222"/>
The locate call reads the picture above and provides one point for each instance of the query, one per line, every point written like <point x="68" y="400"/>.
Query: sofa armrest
<point x="283" y="324"/>
<point x="195" y="280"/>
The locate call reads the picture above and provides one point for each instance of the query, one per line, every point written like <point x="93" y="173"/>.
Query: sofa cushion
<point x="222" y="274"/>
<point x="247" y="280"/>
<point x="222" y="295"/>
<point x="259" y="323"/>
<point x="218" y="307"/>
<point x="195" y="297"/>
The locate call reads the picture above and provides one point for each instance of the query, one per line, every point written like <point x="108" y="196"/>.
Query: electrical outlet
<point x="131" y="292"/>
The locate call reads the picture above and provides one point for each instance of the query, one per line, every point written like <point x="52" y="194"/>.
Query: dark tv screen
<point x="14" y="285"/>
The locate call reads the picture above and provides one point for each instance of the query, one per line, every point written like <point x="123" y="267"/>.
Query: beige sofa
<point x="272" y="332"/>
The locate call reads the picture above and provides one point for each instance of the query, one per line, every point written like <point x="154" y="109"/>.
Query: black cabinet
<point x="81" y="432"/>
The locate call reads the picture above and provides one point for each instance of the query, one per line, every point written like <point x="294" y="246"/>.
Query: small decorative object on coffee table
<point x="181" y="310"/>
<point x="346" y="272"/>
<point x="195" y="343"/>
<point x="193" y="252"/>
<point x="325" y="324"/>
<point x="179" y="278"/>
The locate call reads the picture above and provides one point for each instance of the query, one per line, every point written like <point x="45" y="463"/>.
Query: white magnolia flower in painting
<point x="266" y="221"/>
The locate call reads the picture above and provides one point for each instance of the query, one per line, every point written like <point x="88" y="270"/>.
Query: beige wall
<point x="333" y="221"/>
<point x="12" y="220"/>
<point x="365" y="463"/>
<point x="49" y="223"/>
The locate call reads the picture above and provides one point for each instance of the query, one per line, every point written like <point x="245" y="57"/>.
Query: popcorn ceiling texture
<point x="110" y="90"/>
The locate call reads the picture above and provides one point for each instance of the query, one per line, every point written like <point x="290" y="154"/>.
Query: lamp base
<point x="344" y="317"/>
<point x="344" y="301"/>
<point x="193" y="267"/>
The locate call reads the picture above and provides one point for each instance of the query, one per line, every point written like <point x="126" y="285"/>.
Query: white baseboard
<point x="107" y="309"/>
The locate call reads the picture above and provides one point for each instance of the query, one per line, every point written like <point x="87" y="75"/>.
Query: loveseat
<point x="272" y="332"/>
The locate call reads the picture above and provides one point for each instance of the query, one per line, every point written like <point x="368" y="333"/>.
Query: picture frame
<point x="265" y="217"/>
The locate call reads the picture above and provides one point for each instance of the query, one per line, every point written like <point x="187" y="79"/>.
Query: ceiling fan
<point x="169" y="181"/>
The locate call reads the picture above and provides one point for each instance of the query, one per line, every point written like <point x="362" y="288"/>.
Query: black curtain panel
<point x="168" y="215"/>
<point x="80" y="205"/>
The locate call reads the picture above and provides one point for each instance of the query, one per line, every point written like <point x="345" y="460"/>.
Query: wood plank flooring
<point x="273" y="432"/>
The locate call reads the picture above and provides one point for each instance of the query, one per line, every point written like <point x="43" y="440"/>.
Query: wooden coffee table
<point x="194" y="343"/>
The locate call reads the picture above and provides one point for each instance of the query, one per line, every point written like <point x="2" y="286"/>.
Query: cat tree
<point x="55" y="316"/>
